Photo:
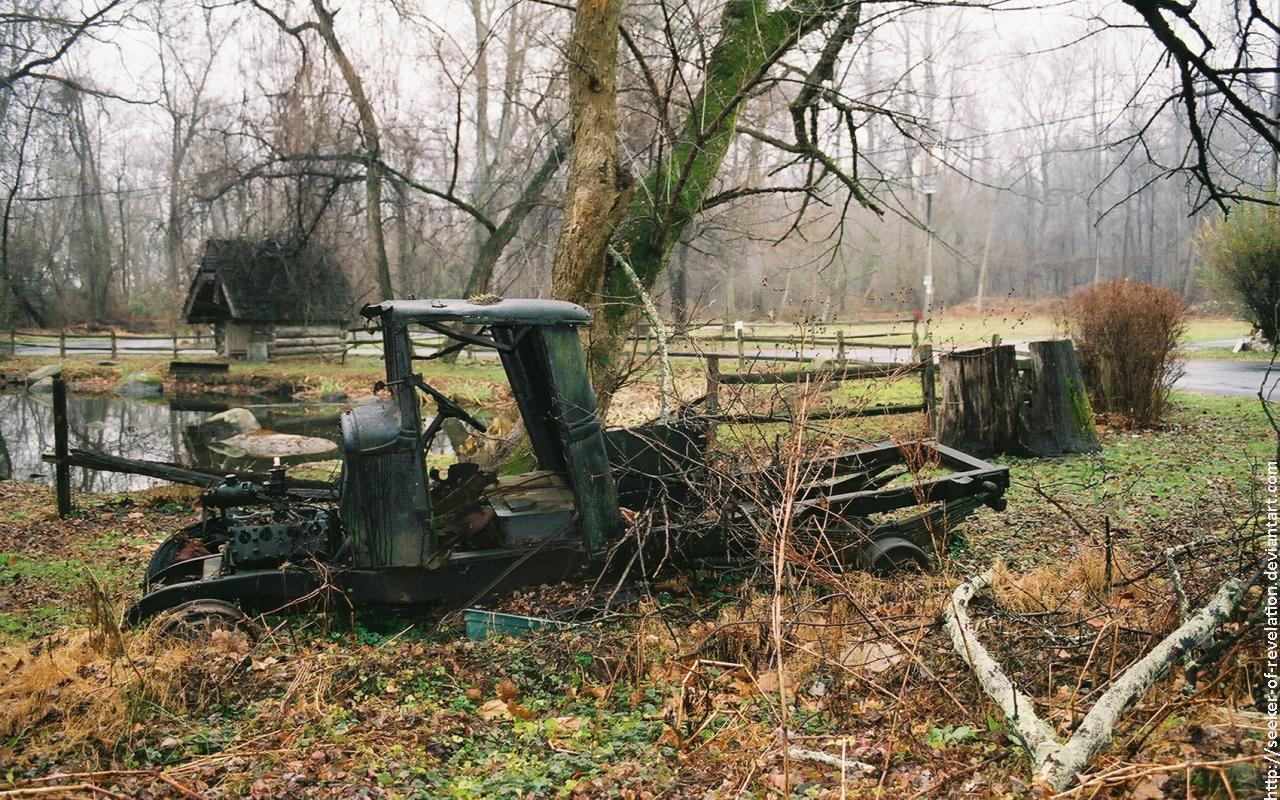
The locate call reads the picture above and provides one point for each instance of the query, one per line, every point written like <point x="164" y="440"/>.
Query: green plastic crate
<point x="482" y="623"/>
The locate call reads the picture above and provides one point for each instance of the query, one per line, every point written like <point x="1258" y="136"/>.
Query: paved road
<point x="1231" y="378"/>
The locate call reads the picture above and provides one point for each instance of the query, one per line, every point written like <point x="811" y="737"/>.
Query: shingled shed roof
<point x="267" y="281"/>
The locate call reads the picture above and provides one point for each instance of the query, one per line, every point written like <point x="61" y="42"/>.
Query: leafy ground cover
<point x="682" y="692"/>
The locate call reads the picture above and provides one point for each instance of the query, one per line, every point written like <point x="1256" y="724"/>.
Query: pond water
<point x="141" y="429"/>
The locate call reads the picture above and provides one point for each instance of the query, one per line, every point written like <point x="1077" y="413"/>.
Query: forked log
<point x="1057" y="763"/>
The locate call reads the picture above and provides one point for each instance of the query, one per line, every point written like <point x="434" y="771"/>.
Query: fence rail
<point x="171" y="343"/>
<point x="840" y="371"/>
<point x="795" y="340"/>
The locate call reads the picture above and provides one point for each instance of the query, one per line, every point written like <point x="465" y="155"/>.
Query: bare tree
<point x="681" y="180"/>
<point x="1220" y="71"/>
<point x="185" y="67"/>
<point x="370" y="139"/>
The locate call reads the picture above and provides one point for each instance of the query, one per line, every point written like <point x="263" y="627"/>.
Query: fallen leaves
<point x="872" y="657"/>
<point x="1150" y="788"/>
<point x="493" y="709"/>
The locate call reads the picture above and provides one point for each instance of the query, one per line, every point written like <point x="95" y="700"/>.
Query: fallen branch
<point x="94" y="791"/>
<point x="800" y="754"/>
<point x="1056" y="764"/>
<point x="1170" y="556"/>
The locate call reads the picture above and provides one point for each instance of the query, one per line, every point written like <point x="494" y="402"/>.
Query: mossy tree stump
<point x="1058" y="418"/>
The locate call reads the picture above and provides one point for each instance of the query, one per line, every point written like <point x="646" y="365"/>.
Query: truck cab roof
<point x="498" y="312"/>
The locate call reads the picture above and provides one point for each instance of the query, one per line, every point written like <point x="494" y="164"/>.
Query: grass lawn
<point x="679" y="693"/>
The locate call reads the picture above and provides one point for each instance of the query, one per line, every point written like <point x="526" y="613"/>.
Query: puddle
<point x="143" y="429"/>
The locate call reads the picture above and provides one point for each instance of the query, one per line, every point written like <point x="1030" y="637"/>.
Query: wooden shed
<point x="268" y="294"/>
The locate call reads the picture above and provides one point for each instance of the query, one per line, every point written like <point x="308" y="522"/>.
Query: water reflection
<point x="144" y="429"/>
<point x="118" y="427"/>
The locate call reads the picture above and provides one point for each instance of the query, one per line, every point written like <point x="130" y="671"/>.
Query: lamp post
<point x="929" y="184"/>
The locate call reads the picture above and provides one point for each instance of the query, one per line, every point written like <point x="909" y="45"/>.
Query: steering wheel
<point x="448" y="408"/>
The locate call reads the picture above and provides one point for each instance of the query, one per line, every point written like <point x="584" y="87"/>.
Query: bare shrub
<point x="1126" y="334"/>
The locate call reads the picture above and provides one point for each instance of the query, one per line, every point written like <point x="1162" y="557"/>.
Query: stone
<point x="42" y="386"/>
<point x="1242" y="346"/>
<point x="232" y="422"/>
<point x="334" y="397"/>
<point x="140" y="384"/>
<point x="49" y="371"/>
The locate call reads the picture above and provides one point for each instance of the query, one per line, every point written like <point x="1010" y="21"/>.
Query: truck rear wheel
<point x="889" y="554"/>
<point x="198" y="619"/>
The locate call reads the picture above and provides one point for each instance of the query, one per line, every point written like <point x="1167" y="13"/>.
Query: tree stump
<point x="979" y="412"/>
<point x="1059" y="418"/>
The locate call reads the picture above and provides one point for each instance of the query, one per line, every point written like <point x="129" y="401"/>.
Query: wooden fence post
<point x="840" y="345"/>
<point x="928" y="387"/>
<point x="13" y="341"/>
<point x="175" y="344"/>
<point x="62" y="470"/>
<point x="62" y="344"/>
<point x="114" y="350"/>
<point x="737" y="332"/>
<point x="713" y="384"/>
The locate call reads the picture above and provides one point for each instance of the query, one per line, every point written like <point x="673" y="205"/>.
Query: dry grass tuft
<point x="67" y="689"/>
<point x="1081" y="587"/>
<point x="83" y="691"/>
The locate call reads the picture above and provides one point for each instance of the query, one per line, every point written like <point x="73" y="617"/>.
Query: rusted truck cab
<point x="397" y="532"/>
<point x="386" y="498"/>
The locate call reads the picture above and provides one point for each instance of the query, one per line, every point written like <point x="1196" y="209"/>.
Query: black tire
<point x="889" y="554"/>
<point x="198" y="619"/>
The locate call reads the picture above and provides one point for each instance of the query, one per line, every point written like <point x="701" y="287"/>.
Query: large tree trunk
<point x="599" y="189"/>
<point x="752" y="38"/>
<point x="1059" y="419"/>
<point x="981" y="401"/>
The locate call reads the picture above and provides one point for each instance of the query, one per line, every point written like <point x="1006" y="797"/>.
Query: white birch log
<point x="1057" y="764"/>
<point x="1034" y="733"/>
<point x="800" y="754"/>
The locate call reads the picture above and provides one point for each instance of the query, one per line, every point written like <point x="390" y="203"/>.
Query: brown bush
<point x="1126" y="335"/>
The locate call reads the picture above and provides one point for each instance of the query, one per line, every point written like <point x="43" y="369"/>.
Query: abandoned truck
<point x="400" y="533"/>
